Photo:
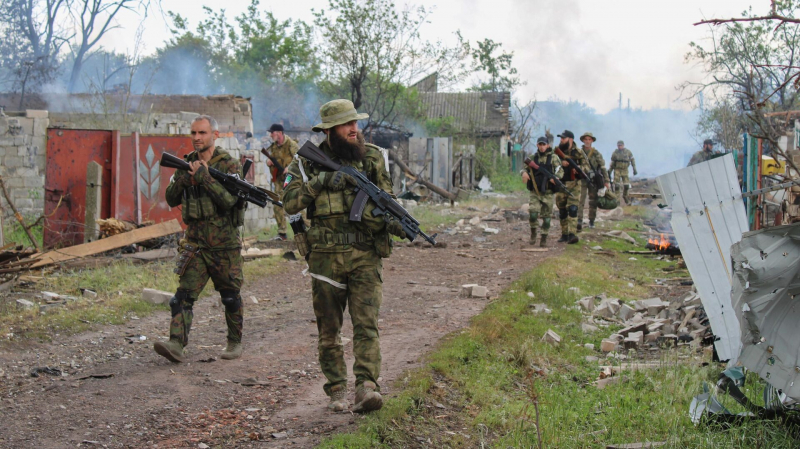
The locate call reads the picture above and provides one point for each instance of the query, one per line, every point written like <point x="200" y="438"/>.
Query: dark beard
<point x="345" y="150"/>
<point x="564" y="146"/>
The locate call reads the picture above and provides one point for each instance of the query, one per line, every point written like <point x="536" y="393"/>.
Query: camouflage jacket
<point x="207" y="207"/>
<point x="576" y="155"/>
<point x="621" y="159"/>
<point x="284" y="153"/>
<point x="701" y="156"/>
<point x="331" y="230"/>
<point x="595" y="161"/>
<point x="540" y="180"/>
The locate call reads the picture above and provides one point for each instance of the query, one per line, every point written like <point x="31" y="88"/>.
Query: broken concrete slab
<point x="589" y="328"/>
<point x="639" y="327"/>
<point x="625" y="312"/>
<point x="154" y="296"/>
<point x="539" y="308"/>
<point x="475" y="221"/>
<point x="586" y="303"/>
<point x="25" y="304"/>
<point x="608" y="345"/>
<point x="466" y="289"/>
<point x="620" y="235"/>
<point x="551" y="337"/>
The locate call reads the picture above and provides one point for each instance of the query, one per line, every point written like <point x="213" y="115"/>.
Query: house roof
<point x="483" y="113"/>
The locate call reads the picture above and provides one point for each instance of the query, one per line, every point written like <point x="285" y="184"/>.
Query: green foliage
<point x="14" y="233"/>
<point x="502" y="74"/>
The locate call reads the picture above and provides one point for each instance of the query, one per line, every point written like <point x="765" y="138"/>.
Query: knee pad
<point x="231" y="300"/>
<point x="533" y="216"/>
<point x="573" y="211"/>
<point x="546" y="223"/>
<point x="176" y="303"/>
<point x="562" y="213"/>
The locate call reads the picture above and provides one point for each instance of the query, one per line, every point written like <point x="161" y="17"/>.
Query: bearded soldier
<point x="542" y="188"/>
<point x="211" y="247"/>
<point x="568" y="205"/>
<point x="283" y="149"/>
<point x="597" y="167"/>
<point x="345" y="259"/>
<point x="621" y="159"/>
<point x="705" y="154"/>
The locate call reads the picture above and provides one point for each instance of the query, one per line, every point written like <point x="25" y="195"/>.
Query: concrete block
<point x="638" y="336"/>
<point x="33" y="181"/>
<point x="40" y="127"/>
<point x="652" y="336"/>
<point x="156" y="296"/>
<point x="7" y="141"/>
<point x="631" y="343"/>
<point x="625" y="312"/>
<point x="587" y="303"/>
<point x="480" y="291"/>
<point x="551" y="337"/>
<point x="25" y="304"/>
<point x="36" y="113"/>
<point x="603" y="310"/>
<point x="655" y="310"/>
<point x="466" y="289"/>
<point x="616" y="337"/>
<point x="589" y="328"/>
<point x="608" y="345"/>
<point x="640" y="327"/>
<point x="23" y="203"/>
<point x="589" y="346"/>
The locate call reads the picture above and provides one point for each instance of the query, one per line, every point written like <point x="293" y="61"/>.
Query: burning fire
<point x="661" y="243"/>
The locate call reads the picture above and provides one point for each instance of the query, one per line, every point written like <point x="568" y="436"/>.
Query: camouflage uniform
<point x="620" y="161"/>
<point x="541" y="201"/>
<point x="213" y="218"/>
<point x="701" y="156"/>
<point x="596" y="163"/>
<point x="568" y="205"/>
<point x="345" y="264"/>
<point x="284" y="154"/>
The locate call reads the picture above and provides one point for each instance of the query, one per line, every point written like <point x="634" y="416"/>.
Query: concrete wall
<point x="153" y="123"/>
<point x="256" y="218"/>
<point x="23" y="145"/>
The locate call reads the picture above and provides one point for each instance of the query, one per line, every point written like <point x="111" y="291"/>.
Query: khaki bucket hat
<point x="588" y="134"/>
<point x="337" y="112"/>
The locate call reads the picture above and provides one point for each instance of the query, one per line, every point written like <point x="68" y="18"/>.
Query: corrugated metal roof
<point x="474" y="112"/>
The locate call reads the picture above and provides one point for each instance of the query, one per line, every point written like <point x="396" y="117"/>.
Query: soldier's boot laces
<point x="564" y="238"/>
<point x="232" y="351"/>
<point x="338" y="401"/>
<point x="367" y="399"/>
<point x="172" y="350"/>
<point x="543" y="241"/>
<point x="533" y="236"/>
<point x="572" y="239"/>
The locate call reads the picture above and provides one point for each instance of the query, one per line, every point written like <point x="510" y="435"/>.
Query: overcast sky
<point x="586" y="50"/>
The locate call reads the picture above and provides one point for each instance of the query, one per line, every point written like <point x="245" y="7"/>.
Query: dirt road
<point x="272" y="396"/>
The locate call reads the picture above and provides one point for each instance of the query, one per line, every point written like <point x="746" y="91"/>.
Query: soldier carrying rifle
<point x="540" y="177"/>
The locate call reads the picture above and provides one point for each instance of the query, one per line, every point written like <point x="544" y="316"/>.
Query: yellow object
<point x="769" y="166"/>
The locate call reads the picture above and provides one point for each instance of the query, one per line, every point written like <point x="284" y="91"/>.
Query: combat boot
<point x="338" y="401"/>
<point x="591" y="224"/>
<point x="232" y="351"/>
<point x="580" y="227"/>
<point x="543" y="241"/>
<point x="564" y="238"/>
<point x="533" y="236"/>
<point x="572" y="239"/>
<point x="172" y="350"/>
<point x="367" y="399"/>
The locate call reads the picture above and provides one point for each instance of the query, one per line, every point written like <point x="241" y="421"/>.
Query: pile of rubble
<point x="648" y="322"/>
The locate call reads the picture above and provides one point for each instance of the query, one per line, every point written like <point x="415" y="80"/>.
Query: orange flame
<point x="661" y="243"/>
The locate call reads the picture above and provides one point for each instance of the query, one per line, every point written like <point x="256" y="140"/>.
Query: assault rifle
<point x="366" y="190"/>
<point x="572" y="164"/>
<point x="276" y="170"/>
<point x="560" y="185"/>
<point x="233" y="183"/>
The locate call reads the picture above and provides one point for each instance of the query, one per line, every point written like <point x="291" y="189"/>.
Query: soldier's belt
<point x="346" y="238"/>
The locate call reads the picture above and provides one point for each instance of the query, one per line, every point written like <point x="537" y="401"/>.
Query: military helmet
<point x="337" y="112"/>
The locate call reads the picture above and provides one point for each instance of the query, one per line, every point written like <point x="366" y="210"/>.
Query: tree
<point x="523" y="122"/>
<point x="372" y="52"/>
<point x="502" y="74"/>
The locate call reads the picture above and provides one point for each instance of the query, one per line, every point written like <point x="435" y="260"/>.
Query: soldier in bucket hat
<point x="345" y="259"/>
<point x="597" y="166"/>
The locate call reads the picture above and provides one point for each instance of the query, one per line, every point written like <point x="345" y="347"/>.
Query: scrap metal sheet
<point x="708" y="216"/>
<point x="766" y="266"/>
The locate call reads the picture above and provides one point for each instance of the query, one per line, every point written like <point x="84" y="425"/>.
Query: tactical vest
<point x="541" y="180"/>
<point x="197" y="205"/>
<point x="621" y="160"/>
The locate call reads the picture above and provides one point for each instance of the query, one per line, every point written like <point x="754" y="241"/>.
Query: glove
<point x="394" y="227"/>
<point x="335" y="181"/>
<point x="635" y="172"/>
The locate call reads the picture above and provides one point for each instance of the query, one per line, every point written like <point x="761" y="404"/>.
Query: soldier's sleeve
<point x="382" y="175"/>
<point x="297" y="195"/>
<point x="557" y="164"/>
<point x="179" y="182"/>
<point x="693" y="160"/>
<point x="293" y="148"/>
<point x="219" y="194"/>
<point x="633" y="161"/>
<point x="602" y="166"/>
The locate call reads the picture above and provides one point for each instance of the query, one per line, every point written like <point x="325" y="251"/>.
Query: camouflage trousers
<point x="568" y="207"/>
<point x="224" y="268"/>
<point x="360" y="275"/>
<point x="591" y="194"/>
<point x="280" y="215"/>
<point x="621" y="186"/>
<point x="541" y="206"/>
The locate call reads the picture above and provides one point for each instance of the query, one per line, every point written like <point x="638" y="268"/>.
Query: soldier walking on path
<point x="597" y="170"/>
<point x="542" y="189"/>
<point x="283" y="149"/>
<point x="620" y="161"/>
<point x="211" y="247"/>
<point x="568" y="205"/>
<point x="705" y="154"/>
<point x="345" y="259"/>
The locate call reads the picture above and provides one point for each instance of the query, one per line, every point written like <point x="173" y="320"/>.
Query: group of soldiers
<point x="345" y="259"/>
<point x="570" y="194"/>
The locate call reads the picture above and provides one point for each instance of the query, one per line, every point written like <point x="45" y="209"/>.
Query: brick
<point x="156" y="296"/>
<point x="31" y="181"/>
<point x="480" y="291"/>
<point x="608" y="345"/>
<point x="40" y="127"/>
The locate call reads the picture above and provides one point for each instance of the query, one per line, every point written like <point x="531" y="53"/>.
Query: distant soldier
<point x="542" y="189"/>
<point x="568" y="205"/>
<point x="620" y="161"/>
<point x="597" y="167"/>
<point x="705" y="154"/>
<point x="283" y="149"/>
<point x="211" y="247"/>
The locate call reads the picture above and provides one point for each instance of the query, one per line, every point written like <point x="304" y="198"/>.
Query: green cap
<point x="588" y="134"/>
<point x="619" y="142"/>
<point x="337" y="112"/>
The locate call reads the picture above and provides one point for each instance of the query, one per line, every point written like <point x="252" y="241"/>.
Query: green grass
<point x="119" y="288"/>
<point x="14" y="233"/>
<point x="487" y="375"/>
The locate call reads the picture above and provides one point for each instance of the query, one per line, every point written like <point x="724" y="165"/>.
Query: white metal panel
<point x="708" y="216"/>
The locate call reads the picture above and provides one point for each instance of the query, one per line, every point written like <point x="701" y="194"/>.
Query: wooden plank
<point x="161" y="253"/>
<point x="535" y="250"/>
<point x="249" y="254"/>
<point x="107" y="244"/>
